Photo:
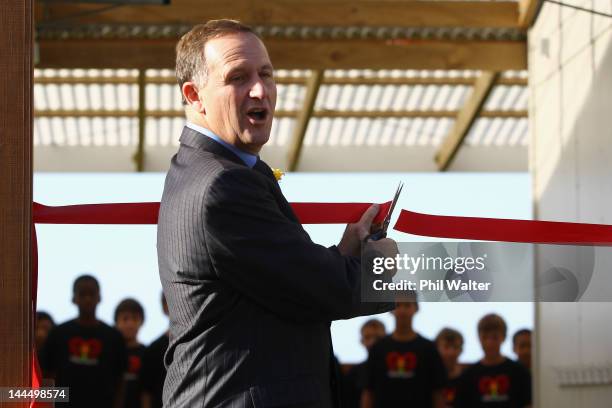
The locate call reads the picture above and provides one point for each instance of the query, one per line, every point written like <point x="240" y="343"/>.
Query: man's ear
<point x="191" y="96"/>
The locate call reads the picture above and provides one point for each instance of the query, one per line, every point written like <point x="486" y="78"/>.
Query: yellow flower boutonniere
<point x="278" y="174"/>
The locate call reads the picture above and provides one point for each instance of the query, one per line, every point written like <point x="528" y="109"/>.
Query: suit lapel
<point x="284" y="206"/>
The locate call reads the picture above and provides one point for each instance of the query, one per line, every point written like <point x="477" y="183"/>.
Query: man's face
<point x="128" y="323"/>
<point x="371" y="334"/>
<point x="86" y="296"/>
<point x="239" y="96"/>
<point x="449" y="351"/>
<point x="491" y="342"/>
<point x="522" y="348"/>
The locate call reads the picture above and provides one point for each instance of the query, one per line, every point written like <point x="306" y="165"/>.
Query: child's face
<point x="43" y="327"/>
<point x="404" y="311"/>
<point x="371" y="334"/>
<point x="522" y="348"/>
<point x="86" y="297"/>
<point x="491" y="341"/>
<point x="449" y="351"/>
<point x="128" y="323"/>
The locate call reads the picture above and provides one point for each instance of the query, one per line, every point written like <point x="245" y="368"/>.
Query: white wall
<point x="570" y="79"/>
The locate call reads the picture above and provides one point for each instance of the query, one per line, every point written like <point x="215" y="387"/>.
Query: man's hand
<point x="354" y="234"/>
<point x="385" y="247"/>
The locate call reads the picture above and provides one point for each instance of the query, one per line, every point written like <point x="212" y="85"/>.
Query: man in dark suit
<point x="250" y="295"/>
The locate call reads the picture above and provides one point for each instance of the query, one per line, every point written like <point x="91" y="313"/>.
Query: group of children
<point x="406" y="370"/>
<point x="104" y="366"/>
<point x="107" y="366"/>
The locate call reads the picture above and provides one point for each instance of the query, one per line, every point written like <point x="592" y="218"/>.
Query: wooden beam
<point x="16" y="72"/>
<point x="299" y="132"/>
<point x="286" y="80"/>
<point x="324" y="113"/>
<point x="142" y="120"/>
<point x="399" y="114"/>
<point x="314" y="157"/>
<point x="298" y="54"/>
<point x="388" y="13"/>
<point x="527" y="12"/>
<point x="466" y="117"/>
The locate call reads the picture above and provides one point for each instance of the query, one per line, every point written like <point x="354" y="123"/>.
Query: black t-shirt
<point x="132" y="377"/>
<point x="506" y="385"/>
<point x="404" y="373"/>
<point x="354" y="382"/>
<point x="153" y="371"/>
<point x="88" y="359"/>
<point x="450" y="391"/>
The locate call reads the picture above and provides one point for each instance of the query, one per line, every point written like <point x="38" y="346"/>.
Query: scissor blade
<point x="387" y="219"/>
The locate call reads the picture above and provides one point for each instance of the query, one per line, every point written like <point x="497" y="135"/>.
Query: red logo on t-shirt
<point x="401" y="364"/>
<point x="82" y="351"/>
<point x="449" y="394"/>
<point x="494" y="388"/>
<point x="134" y="364"/>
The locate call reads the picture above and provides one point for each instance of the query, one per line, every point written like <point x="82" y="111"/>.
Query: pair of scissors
<point x="382" y="232"/>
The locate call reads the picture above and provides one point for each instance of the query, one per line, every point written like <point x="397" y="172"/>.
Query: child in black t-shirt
<point x="355" y="379"/>
<point x="153" y="373"/>
<point x="495" y="381"/>
<point x="450" y="346"/>
<point x="129" y="317"/>
<point x="44" y="324"/>
<point x="85" y="354"/>
<point x="404" y="369"/>
<point x="521" y="345"/>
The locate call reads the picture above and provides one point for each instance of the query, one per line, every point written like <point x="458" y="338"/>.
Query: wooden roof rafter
<point x="427" y="13"/>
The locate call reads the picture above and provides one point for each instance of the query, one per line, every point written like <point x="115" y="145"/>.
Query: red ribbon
<point x="471" y="228"/>
<point x="146" y="213"/>
<point x="505" y="230"/>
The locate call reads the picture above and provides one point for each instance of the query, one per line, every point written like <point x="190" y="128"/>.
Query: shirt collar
<point x="248" y="158"/>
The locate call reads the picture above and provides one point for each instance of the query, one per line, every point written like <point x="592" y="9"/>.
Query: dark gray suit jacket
<point x="250" y="295"/>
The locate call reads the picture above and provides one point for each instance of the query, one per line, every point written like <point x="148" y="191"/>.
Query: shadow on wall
<point x="579" y="188"/>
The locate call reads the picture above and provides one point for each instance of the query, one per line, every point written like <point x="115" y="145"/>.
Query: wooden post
<point x="16" y="52"/>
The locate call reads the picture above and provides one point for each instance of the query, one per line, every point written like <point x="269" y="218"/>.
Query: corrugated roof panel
<point x="281" y="133"/>
<point x="322" y="131"/>
<point x="415" y="97"/>
<point x="474" y="137"/>
<point x="523" y="139"/>
<point x="290" y="96"/>
<point x="489" y="137"/>
<point x="506" y="128"/>
<point x="322" y="136"/>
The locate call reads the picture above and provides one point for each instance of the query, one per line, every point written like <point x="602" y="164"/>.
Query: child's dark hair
<point x="44" y="316"/>
<point x="520" y="333"/>
<point x="85" y="278"/>
<point x="492" y="323"/>
<point x="449" y="335"/>
<point x="129" y="305"/>
<point x="374" y="323"/>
